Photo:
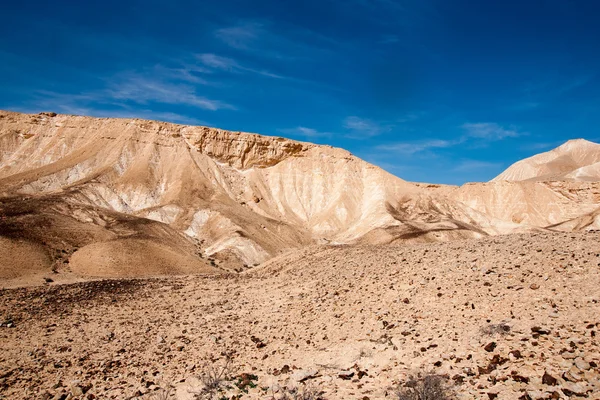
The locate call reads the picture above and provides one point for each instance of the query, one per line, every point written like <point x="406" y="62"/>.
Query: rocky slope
<point x="506" y="317"/>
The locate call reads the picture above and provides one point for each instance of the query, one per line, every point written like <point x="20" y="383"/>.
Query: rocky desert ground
<point x="507" y="317"/>
<point x="140" y="259"/>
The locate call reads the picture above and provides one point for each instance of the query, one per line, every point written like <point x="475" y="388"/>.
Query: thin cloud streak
<point x="139" y="89"/>
<point x="489" y="131"/>
<point x="361" y="128"/>
<point x="481" y="131"/>
<point x="230" y="65"/>
<point x="305" y="132"/>
<point x="240" y="37"/>
<point x="416" y="147"/>
<point x="475" y="165"/>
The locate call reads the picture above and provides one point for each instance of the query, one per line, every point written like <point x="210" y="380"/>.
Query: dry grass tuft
<point x="214" y="379"/>
<point x="427" y="387"/>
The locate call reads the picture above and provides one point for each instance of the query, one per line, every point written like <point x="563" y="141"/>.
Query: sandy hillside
<point x="214" y="201"/>
<point x="238" y="198"/>
<point x="576" y="160"/>
<point x="559" y="189"/>
<point x="508" y="317"/>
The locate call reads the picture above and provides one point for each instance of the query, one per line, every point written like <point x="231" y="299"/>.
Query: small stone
<point x="303" y="375"/>
<point x="572" y="375"/>
<point x="490" y="347"/>
<point x="536" y="395"/>
<point x="519" y="378"/>
<point x="582" y="364"/>
<point x="534" y="286"/>
<point x="539" y="330"/>
<point x="576" y="389"/>
<point x="76" y="390"/>
<point x="516" y="354"/>
<point x="345" y="375"/>
<point x="548" y="379"/>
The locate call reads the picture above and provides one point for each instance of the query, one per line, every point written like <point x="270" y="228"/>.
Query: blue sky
<point x="431" y="90"/>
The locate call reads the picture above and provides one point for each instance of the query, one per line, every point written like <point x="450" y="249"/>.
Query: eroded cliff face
<point x="236" y="199"/>
<point x="242" y="150"/>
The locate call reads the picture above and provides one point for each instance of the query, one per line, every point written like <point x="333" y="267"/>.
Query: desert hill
<point x="239" y="198"/>
<point x="106" y="197"/>
<point x="576" y="160"/>
<point x="558" y="189"/>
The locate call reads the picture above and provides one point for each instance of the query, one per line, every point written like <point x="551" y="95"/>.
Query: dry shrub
<point x="306" y="392"/>
<point x="164" y="393"/>
<point x="496" y="329"/>
<point x="427" y="387"/>
<point x="214" y="379"/>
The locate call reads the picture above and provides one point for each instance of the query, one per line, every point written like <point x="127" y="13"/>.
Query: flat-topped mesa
<point x="242" y="150"/>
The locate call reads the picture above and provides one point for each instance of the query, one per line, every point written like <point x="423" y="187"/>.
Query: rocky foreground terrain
<point x="506" y="317"/>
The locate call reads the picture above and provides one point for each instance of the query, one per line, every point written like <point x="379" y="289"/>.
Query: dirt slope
<point x="493" y="315"/>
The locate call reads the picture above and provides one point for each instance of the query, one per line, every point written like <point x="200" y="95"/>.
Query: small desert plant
<point x="307" y="392"/>
<point x="496" y="329"/>
<point x="427" y="387"/>
<point x="163" y="393"/>
<point x="214" y="380"/>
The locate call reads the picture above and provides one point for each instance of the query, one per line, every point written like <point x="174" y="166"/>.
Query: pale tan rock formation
<point x="232" y="200"/>
<point x="576" y="160"/>
<point x="242" y="198"/>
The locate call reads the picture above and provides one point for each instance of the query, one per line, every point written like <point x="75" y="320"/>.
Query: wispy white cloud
<point x="217" y="62"/>
<point x="475" y="165"/>
<point x="140" y="89"/>
<point x="186" y="73"/>
<point x="481" y="132"/>
<point x="416" y="147"/>
<point x="279" y="42"/>
<point x="305" y="132"/>
<point x="489" y="131"/>
<point x="150" y="87"/>
<point x="68" y="105"/>
<point x="241" y="36"/>
<point x="364" y="128"/>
